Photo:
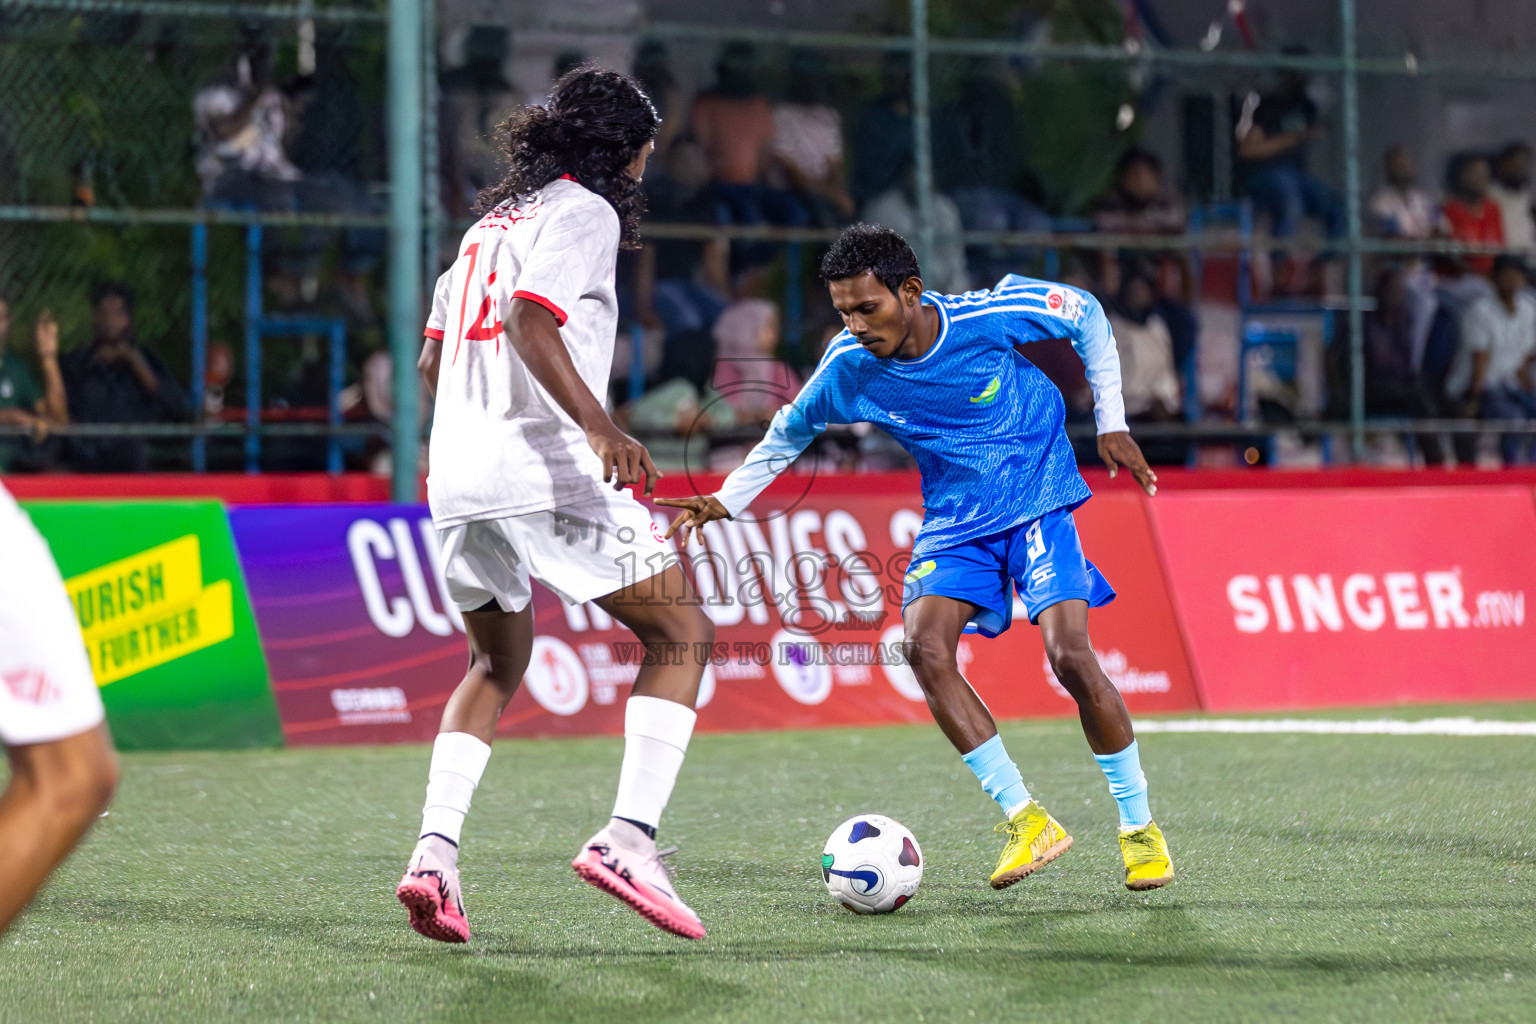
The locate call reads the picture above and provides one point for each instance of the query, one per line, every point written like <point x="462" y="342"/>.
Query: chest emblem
<point x="986" y="397"/>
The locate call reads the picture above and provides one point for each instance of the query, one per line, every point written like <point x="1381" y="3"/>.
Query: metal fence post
<point x="922" y="148"/>
<point x="405" y="256"/>
<point x="1352" y="209"/>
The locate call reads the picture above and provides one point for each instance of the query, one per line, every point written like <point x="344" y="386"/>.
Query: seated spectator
<point x="241" y="123"/>
<point x="1393" y="384"/>
<point x="1498" y="337"/>
<point x="977" y="161"/>
<point x="1467" y="214"/>
<point x="23" y="402"/>
<point x="733" y="121"/>
<point x="896" y="208"/>
<point x="683" y="282"/>
<point x="116" y="380"/>
<point x="1511" y="191"/>
<point x="1149" y="382"/>
<point x="1274" y="137"/>
<point x="1399" y="208"/>
<point x="653" y="70"/>
<point x="1149" y="378"/>
<point x="882" y="134"/>
<point x="808" y="141"/>
<point x="748" y="373"/>
<point x="473" y="99"/>
<point x="329" y="149"/>
<point x="1138" y="203"/>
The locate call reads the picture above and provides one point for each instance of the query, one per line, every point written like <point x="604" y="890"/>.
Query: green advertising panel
<point x="167" y="623"/>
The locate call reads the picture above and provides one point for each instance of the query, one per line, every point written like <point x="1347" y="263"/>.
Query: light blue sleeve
<point x="1094" y="343"/>
<point x="828" y="397"/>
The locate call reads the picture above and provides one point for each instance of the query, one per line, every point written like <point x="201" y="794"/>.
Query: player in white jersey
<point x="63" y="769"/>
<point x="527" y="477"/>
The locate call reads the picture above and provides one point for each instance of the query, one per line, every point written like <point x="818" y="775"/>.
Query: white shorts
<point x="581" y="551"/>
<point x="47" y="691"/>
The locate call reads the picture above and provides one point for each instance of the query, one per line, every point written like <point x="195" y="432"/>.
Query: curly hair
<point x="594" y="124"/>
<point x="870" y="247"/>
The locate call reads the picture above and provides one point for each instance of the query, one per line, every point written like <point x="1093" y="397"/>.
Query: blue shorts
<point x="1043" y="558"/>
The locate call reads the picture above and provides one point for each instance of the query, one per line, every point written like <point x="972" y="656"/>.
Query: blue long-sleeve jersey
<point x="984" y="424"/>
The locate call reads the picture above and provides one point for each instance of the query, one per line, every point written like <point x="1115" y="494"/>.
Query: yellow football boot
<point x="1034" y="840"/>
<point x="1147" y="863"/>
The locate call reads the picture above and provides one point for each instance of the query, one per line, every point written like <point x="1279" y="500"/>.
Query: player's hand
<point x="46" y="336"/>
<point x="697" y="510"/>
<point x="625" y="460"/>
<point x="1117" y="450"/>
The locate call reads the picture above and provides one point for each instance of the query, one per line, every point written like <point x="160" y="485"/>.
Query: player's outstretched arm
<point x="697" y="510"/>
<point x="1120" y="449"/>
<point x="535" y="335"/>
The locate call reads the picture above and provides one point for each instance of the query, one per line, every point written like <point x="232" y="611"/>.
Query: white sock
<point x="656" y="734"/>
<point x="458" y="761"/>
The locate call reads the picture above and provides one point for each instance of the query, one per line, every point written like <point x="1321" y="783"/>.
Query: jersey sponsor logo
<point x="1405" y="600"/>
<point x="1065" y="303"/>
<point x="987" y="396"/>
<point x="150" y="608"/>
<point x="30" y="686"/>
<point x="1053" y="299"/>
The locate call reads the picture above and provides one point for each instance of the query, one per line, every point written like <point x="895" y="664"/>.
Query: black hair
<point x="869" y="247"/>
<point x="1134" y="156"/>
<point x="594" y="124"/>
<point x="1505" y="261"/>
<point x="1457" y="165"/>
<point x="106" y="289"/>
<point x="1510" y="149"/>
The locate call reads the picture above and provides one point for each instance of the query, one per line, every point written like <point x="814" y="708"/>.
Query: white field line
<point x="1362" y="727"/>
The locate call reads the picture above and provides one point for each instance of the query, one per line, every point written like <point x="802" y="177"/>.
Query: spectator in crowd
<point x="23" y="402"/>
<point x="1498" y="339"/>
<point x="473" y="99"/>
<point x="241" y="125"/>
<point x="1274" y="135"/>
<point x="1149" y="380"/>
<point x="653" y="70"/>
<point x="733" y="121"/>
<point x="682" y="282"/>
<point x="1510" y="190"/>
<point x="896" y="208"/>
<point x="330" y="149"/>
<point x="116" y="380"/>
<point x="748" y="373"/>
<point x="1469" y="215"/>
<point x="808" y="140"/>
<point x="977" y="161"/>
<point x="1138" y="202"/>
<point x="882" y="135"/>
<point x="1400" y="208"/>
<point x="1393" y="383"/>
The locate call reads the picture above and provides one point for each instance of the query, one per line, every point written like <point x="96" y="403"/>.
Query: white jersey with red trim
<point x="501" y="445"/>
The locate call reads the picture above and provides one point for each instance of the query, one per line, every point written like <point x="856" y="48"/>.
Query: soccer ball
<point x="872" y="864"/>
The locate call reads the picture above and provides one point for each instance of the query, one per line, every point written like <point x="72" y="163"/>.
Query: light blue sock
<point x="998" y="775"/>
<point x="1127" y="785"/>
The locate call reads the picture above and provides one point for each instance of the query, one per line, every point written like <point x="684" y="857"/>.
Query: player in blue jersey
<point x="942" y="375"/>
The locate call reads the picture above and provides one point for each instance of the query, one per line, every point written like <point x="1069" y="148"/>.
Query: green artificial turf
<point x="1319" y="878"/>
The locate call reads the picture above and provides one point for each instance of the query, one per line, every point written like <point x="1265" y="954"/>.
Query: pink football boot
<point x="430" y="891"/>
<point x="622" y="861"/>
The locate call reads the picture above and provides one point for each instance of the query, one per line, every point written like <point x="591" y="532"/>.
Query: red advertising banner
<point x="805" y="593"/>
<point x="1296" y="599"/>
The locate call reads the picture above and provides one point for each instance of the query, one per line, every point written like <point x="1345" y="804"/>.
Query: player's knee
<point x="1073" y="661"/>
<point x="928" y="656"/>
